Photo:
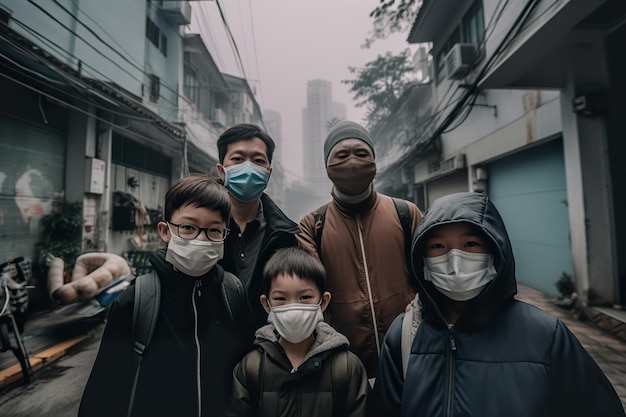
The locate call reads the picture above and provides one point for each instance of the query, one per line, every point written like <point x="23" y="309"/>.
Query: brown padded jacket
<point x="353" y="305"/>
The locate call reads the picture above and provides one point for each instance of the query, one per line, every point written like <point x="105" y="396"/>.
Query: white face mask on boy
<point x="460" y="275"/>
<point x="295" y="322"/>
<point x="193" y="257"/>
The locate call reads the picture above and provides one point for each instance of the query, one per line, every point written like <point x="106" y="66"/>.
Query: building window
<point x="131" y="154"/>
<point x="155" y="87"/>
<point x="152" y="32"/>
<point x="471" y="29"/>
<point x="156" y="37"/>
<point x="163" y="44"/>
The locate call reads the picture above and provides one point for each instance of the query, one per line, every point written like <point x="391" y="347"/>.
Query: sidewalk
<point x="49" y="335"/>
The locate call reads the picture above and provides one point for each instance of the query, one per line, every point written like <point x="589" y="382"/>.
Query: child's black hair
<point x="197" y="191"/>
<point x="297" y="262"/>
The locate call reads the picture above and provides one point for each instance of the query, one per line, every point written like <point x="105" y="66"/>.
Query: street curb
<point x="13" y="373"/>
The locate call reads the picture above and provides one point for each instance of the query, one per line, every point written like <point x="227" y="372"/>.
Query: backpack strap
<point x="255" y="373"/>
<point x="410" y="323"/>
<point x="236" y="301"/>
<point x="339" y="374"/>
<point x="320" y="218"/>
<point x="402" y="208"/>
<point x="145" y="312"/>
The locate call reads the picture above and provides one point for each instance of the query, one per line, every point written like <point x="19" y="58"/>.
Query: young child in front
<point x="301" y="366"/>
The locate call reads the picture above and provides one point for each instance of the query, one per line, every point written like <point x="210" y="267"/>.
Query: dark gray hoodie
<point x="503" y="357"/>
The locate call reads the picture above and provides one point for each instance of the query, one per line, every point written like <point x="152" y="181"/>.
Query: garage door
<point x="453" y="183"/>
<point x="32" y="160"/>
<point x="529" y="189"/>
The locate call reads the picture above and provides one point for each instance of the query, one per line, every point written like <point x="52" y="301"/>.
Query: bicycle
<point x="13" y="301"/>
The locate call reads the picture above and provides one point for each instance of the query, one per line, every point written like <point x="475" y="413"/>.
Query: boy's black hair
<point x="297" y="262"/>
<point x="244" y="131"/>
<point x="198" y="191"/>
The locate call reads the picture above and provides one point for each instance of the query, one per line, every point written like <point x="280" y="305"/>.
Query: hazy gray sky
<point x="285" y="43"/>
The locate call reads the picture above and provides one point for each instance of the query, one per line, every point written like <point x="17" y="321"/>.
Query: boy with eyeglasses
<point x="186" y="368"/>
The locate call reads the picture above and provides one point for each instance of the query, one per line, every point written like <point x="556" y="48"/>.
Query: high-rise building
<point x="272" y="123"/>
<point x="317" y="118"/>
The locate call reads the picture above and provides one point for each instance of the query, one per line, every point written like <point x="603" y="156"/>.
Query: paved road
<point x="55" y="389"/>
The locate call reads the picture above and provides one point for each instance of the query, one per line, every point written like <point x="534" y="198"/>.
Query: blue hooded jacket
<point x="503" y="357"/>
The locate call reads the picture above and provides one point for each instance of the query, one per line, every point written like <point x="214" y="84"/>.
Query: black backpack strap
<point x="234" y="297"/>
<point x="319" y="217"/>
<point x="255" y="375"/>
<point x="402" y="208"/>
<point x="339" y="374"/>
<point x="145" y="312"/>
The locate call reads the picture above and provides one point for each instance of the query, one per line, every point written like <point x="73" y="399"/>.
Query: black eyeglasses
<point x="190" y="232"/>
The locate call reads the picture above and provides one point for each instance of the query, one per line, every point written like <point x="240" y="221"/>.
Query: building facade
<point x="317" y="118"/>
<point x="525" y="107"/>
<point x="106" y="110"/>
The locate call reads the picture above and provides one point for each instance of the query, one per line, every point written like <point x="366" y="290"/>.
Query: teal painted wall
<point x="529" y="190"/>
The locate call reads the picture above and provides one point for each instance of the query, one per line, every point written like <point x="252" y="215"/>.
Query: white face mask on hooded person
<point x="295" y="322"/>
<point x="460" y="275"/>
<point x="193" y="257"/>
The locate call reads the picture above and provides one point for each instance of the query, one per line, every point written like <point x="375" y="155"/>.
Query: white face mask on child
<point x="193" y="257"/>
<point x="460" y="275"/>
<point x="295" y="322"/>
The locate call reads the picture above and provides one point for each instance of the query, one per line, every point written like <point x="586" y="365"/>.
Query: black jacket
<point x="503" y="357"/>
<point x="171" y="370"/>
<point x="331" y="380"/>
<point x="280" y="232"/>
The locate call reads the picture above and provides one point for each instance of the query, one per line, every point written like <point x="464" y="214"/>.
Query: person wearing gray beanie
<point x="346" y="130"/>
<point x="363" y="245"/>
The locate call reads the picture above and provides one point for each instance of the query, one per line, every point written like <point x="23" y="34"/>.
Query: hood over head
<point x="475" y="209"/>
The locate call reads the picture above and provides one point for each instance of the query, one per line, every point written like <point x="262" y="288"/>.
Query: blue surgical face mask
<point x="246" y="181"/>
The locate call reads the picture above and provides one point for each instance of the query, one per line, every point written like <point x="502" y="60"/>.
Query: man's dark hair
<point x="198" y="191"/>
<point x="297" y="262"/>
<point x="244" y="131"/>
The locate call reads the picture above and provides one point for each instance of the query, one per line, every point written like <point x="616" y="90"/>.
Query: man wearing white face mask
<point x="363" y="245"/>
<point x="201" y="331"/>
<point x="478" y="351"/>
<point x="258" y="226"/>
<point x="301" y="366"/>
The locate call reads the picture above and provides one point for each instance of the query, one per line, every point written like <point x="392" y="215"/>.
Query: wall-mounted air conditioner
<point x="219" y="117"/>
<point x="459" y="60"/>
<point x="177" y="12"/>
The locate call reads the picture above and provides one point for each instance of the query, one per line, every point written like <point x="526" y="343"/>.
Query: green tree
<point x="378" y="85"/>
<point x="392" y="16"/>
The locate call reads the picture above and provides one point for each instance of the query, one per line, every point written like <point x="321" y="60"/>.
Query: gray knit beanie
<point x="346" y="130"/>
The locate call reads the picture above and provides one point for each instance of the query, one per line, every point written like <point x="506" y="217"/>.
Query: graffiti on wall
<point x="33" y="196"/>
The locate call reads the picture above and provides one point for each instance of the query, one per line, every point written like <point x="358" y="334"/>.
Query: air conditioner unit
<point x="219" y="117"/>
<point x="177" y="12"/>
<point x="459" y="60"/>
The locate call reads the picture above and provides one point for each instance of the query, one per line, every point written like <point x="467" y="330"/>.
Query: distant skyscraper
<point x="316" y="116"/>
<point x="274" y="125"/>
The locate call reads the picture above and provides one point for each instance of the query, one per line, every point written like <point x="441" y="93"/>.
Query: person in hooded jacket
<point x="301" y="366"/>
<point x="478" y="351"/>
<point x="187" y="366"/>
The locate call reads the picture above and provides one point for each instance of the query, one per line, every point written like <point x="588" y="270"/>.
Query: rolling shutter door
<point x="453" y="183"/>
<point x="32" y="161"/>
